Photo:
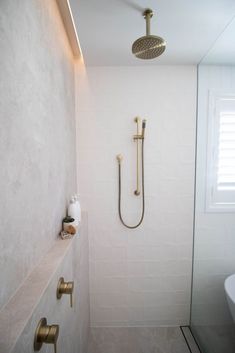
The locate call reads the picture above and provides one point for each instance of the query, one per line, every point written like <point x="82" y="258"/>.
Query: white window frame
<point x="216" y="200"/>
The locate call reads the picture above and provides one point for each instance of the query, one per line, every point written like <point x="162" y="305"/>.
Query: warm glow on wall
<point x="67" y="17"/>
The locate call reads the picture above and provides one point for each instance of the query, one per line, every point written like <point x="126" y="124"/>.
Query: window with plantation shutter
<point x="220" y="195"/>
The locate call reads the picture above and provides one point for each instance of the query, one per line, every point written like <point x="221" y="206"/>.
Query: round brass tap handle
<point x="45" y="334"/>
<point x="65" y="288"/>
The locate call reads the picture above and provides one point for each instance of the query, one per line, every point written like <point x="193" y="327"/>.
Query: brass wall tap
<point x="45" y="334"/>
<point x="65" y="288"/>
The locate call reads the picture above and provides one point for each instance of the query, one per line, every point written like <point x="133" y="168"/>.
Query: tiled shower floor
<point x="137" y="340"/>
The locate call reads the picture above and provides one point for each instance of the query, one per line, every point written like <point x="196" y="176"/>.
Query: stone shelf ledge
<point x="17" y="312"/>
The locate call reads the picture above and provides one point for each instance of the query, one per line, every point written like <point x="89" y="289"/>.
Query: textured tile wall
<point x="37" y="135"/>
<point x="73" y="322"/>
<point x="142" y="276"/>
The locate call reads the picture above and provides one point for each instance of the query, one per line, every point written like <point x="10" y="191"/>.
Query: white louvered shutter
<point x="221" y="153"/>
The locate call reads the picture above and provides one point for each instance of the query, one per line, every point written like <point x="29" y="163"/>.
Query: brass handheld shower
<point x="143" y="128"/>
<point x="138" y="137"/>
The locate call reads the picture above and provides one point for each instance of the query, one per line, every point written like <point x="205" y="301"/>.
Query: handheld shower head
<point x="143" y="127"/>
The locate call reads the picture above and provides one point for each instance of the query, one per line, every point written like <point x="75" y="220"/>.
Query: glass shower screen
<point x="214" y="233"/>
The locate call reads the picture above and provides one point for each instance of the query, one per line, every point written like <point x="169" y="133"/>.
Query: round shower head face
<point x="148" y="47"/>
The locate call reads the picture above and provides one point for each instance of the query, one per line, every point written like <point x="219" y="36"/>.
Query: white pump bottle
<point x="74" y="210"/>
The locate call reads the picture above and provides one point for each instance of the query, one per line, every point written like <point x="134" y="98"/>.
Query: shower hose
<point x="120" y="192"/>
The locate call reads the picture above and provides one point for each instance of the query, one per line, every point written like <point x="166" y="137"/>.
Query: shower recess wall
<point x="138" y="277"/>
<point x="37" y="135"/>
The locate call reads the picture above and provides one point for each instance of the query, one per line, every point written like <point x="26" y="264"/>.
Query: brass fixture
<point x="119" y="158"/>
<point x="139" y="139"/>
<point x="65" y="288"/>
<point x="45" y="334"/>
<point x="149" y="46"/>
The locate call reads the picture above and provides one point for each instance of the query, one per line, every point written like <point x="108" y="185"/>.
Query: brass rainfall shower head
<point x="149" y="46"/>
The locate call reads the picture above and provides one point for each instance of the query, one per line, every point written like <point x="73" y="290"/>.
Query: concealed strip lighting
<point x="69" y="24"/>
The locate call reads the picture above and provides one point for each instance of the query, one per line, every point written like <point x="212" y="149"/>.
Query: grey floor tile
<point x="137" y="340"/>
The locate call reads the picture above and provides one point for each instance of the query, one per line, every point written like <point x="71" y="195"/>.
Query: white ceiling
<point x="107" y="29"/>
<point x="223" y="51"/>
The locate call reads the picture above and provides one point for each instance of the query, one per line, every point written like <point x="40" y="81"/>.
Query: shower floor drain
<point x="191" y="343"/>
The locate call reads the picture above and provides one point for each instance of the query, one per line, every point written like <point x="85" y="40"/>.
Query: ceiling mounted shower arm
<point x="148" y="46"/>
<point x="148" y="14"/>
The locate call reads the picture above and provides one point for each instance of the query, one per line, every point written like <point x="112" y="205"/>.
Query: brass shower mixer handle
<point x="65" y="288"/>
<point x="45" y="334"/>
